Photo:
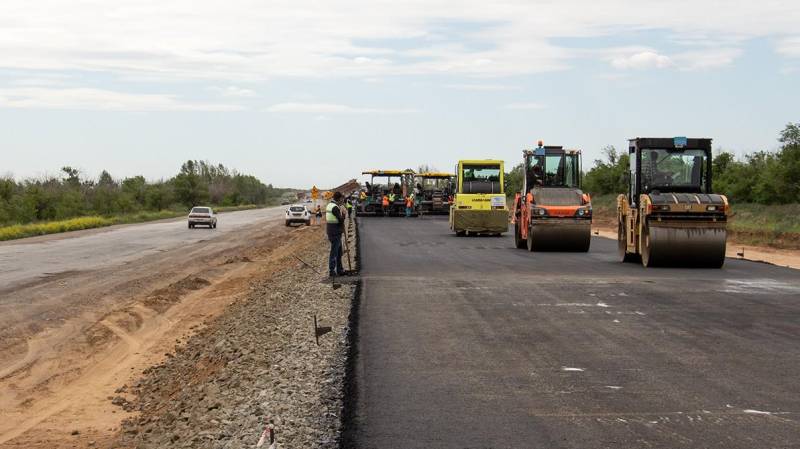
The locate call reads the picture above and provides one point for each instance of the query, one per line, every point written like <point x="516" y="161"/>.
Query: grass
<point x="775" y="225"/>
<point x="19" y="231"/>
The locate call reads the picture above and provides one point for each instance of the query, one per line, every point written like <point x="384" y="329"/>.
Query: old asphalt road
<point x="470" y="343"/>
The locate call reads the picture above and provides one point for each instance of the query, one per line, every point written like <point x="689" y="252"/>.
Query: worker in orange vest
<point x="409" y="205"/>
<point x="385" y="204"/>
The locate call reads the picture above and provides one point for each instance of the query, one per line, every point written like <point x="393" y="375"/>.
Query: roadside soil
<point x="258" y="364"/>
<point x="607" y="227"/>
<point x="95" y="332"/>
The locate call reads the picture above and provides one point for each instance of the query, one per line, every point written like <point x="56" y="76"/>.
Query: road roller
<point x="479" y="206"/>
<point x="552" y="213"/>
<point x="670" y="217"/>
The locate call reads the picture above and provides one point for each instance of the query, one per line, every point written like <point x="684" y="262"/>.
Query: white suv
<point x="202" y="215"/>
<point x="298" y="213"/>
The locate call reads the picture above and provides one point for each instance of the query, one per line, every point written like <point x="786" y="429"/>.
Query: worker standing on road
<point x="385" y="204"/>
<point x="318" y="214"/>
<point x="349" y="206"/>
<point x="409" y="205"/>
<point x="334" y="228"/>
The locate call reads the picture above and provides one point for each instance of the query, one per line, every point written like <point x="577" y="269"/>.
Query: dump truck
<point x="392" y="183"/>
<point x="552" y="213"/>
<point x="433" y="192"/>
<point x="479" y="205"/>
<point x="670" y="215"/>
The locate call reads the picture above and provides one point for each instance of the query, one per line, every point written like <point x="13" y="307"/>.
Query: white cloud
<point x="233" y="92"/>
<point x="641" y="61"/>
<point x="332" y="108"/>
<point x="98" y="100"/>
<point x="521" y="106"/>
<point x="248" y="40"/>
<point x="705" y="59"/>
<point x="789" y="46"/>
<point x="482" y="87"/>
<point x="696" y="58"/>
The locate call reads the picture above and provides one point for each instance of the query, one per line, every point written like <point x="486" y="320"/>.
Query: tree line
<point x="762" y="177"/>
<point x="70" y="195"/>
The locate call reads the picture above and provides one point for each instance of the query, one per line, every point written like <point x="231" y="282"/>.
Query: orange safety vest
<point x="409" y="202"/>
<point x="385" y="200"/>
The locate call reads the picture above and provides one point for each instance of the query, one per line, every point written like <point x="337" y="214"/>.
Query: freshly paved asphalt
<point x="471" y="343"/>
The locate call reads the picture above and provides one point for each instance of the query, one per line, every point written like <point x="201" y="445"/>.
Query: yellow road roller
<point x="669" y="217"/>
<point x="479" y="206"/>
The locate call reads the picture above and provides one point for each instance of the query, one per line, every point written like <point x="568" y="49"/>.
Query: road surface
<point x="38" y="275"/>
<point x="470" y="343"/>
<point x="27" y="260"/>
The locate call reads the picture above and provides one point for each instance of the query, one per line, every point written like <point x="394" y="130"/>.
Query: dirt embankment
<point x="62" y="374"/>
<point x="257" y="364"/>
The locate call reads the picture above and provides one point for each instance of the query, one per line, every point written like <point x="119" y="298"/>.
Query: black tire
<point x="308" y="222"/>
<point x="518" y="242"/>
<point x="529" y="241"/>
<point x="215" y="225"/>
<point x="191" y="226"/>
<point x="461" y="233"/>
<point x="287" y="223"/>
<point x="622" y="244"/>
<point x="645" y="247"/>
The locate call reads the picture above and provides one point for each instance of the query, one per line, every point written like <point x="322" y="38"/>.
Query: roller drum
<point x="685" y="246"/>
<point x="561" y="237"/>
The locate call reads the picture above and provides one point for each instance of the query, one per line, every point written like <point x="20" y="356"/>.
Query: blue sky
<point x="301" y="93"/>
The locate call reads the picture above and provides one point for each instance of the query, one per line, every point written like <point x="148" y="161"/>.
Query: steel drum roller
<point x="554" y="236"/>
<point x="684" y="246"/>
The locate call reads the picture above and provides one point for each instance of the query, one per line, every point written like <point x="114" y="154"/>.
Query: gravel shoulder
<point x="256" y="364"/>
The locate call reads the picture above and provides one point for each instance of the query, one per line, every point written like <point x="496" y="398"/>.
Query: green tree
<point x="513" y="180"/>
<point x="190" y="187"/>
<point x="608" y="176"/>
<point x="135" y="188"/>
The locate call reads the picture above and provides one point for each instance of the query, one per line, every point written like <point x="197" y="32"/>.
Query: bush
<point x="199" y="182"/>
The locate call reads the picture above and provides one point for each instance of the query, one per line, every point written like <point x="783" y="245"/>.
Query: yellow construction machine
<point x="669" y="215"/>
<point x="434" y="192"/>
<point x="479" y="206"/>
<point x="395" y="184"/>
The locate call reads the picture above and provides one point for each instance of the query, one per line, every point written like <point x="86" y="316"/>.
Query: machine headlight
<point x="713" y="208"/>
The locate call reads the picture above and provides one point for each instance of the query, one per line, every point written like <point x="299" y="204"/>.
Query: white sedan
<point x="298" y="213"/>
<point x="202" y="215"/>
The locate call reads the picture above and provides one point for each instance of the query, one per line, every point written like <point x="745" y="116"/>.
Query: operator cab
<point x="669" y="165"/>
<point x="480" y="177"/>
<point x="552" y="166"/>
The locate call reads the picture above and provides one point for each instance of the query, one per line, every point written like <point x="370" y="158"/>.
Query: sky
<point x="303" y="93"/>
